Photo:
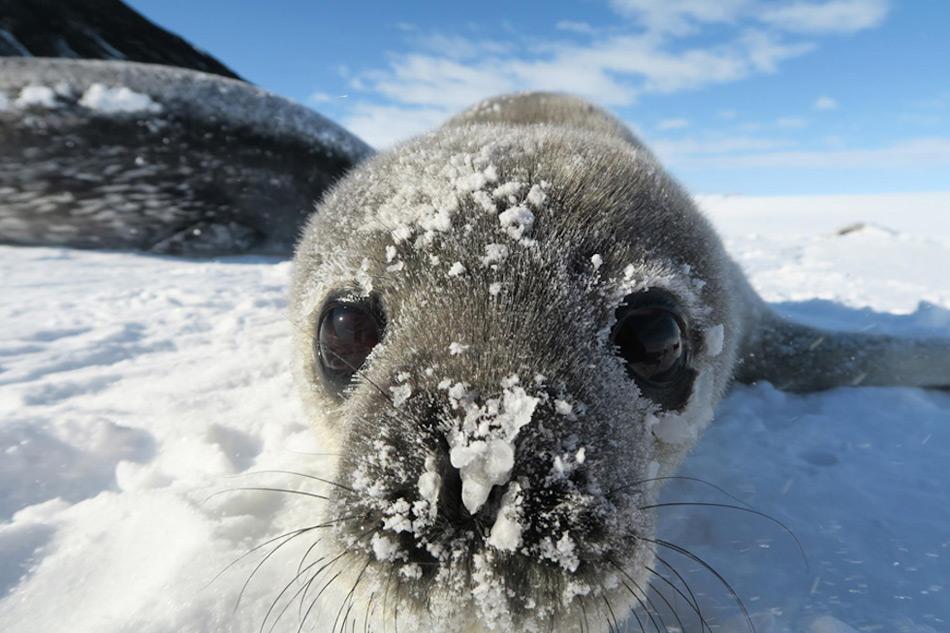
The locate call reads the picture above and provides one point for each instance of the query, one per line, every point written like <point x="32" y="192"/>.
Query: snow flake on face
<point x="494" y="288"/>
<point x="429" y="482"/>
<point x="426" y="207"/>
<point x="484" y="200"/>
<point x="456" y="269"/>
<point x="384" y="548"/>
<point x="516" y="221"/>
<point x="714" y="339"/>
<point x="390" y="253"/>
<point x="398" y="517"/>
<point x="482" y="445"/>
<point x="506" y="531"/>
<point x="536" y="196"/>
<point x="363" y="278"/>
<point x="508" y="191"/>
<point x="456" y="349"/>
<point x="400" y="394"/>
<point x="596" y="261"/>
<point x="564" y="552"/>
<point x="562" y="407"/>
<point x="494" y="254"/>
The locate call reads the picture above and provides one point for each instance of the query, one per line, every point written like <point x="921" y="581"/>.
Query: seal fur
<point x="500" y="248"/>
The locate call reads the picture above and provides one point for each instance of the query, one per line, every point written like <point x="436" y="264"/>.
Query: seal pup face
<point x="507" y="334"/>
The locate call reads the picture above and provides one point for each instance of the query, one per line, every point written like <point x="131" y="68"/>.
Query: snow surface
<point x="134" y="388"/>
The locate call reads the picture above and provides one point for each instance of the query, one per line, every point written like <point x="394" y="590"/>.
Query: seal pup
<point x="509" y="331"/>
<point x="122" y="155"/>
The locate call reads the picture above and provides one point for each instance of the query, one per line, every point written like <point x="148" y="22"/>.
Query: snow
<point x="133" y="388"/>
<point x="482" y="446"/>
<point x="110" y="100"/>
<point x="506" y="531"/>
<point x="41" y="96"/>
<point x="715" y="338"/>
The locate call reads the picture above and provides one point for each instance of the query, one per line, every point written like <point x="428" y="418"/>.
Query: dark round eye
<point x="651" y="338"/>
<point x="347" y="335"/>
<point x="652" y="343"/>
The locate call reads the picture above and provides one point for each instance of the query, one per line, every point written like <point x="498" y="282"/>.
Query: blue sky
<point x="735" y="96"/>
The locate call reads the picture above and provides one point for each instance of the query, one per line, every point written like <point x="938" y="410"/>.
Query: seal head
<point x="508" y="332"/>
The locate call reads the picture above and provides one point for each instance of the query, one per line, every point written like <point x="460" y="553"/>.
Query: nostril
<point x="450" y="495"/>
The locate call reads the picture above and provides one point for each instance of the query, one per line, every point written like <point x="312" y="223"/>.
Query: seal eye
<point x="652" y="340"/>
<point x="347" y="334"/>
<point x="652" y="343"/>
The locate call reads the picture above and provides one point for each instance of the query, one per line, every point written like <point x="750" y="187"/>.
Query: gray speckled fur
<point x="222" y="168"/>
<point x="605" y="195"/>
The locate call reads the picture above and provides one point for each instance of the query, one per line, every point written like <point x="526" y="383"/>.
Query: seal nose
<point x="450" y="496"/>
<point x="452" y="507"/>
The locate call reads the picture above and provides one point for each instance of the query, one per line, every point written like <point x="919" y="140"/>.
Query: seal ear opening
<point x="120" y="155"/>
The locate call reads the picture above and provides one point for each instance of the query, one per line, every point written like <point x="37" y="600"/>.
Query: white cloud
<point x="910" y="153"/>
<point x="613" y="67"/>
<point x="613" y="71"/>
<point x="825" y="103"/>
<point x="836" y="16"/>
<point x="384" y="125"/>
<point x="689" y="148"/>
<point x="572" y="26"/>
<point x="672" y="124"/>
<point x="683" y="17"/>
<point x="679" y="16"/>
<point x="791" y="122"/>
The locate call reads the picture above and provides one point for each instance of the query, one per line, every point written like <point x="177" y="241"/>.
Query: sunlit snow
<point x="135" y="388"/>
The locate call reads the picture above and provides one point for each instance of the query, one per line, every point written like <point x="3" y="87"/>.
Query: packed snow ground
<point x="132" y="388"/>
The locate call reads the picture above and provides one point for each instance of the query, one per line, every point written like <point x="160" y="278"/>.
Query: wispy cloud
<point x="791" y="122"/>
<point x="672" y="124"/>
<point x="837" y="16"/>
<point x="740" y="153"/>
<point x="653" y="49"/>
<point x="825" y="103"/>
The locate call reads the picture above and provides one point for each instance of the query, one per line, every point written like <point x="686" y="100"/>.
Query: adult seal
<point x="509" y="331"/>
<point x="123" y="155"/>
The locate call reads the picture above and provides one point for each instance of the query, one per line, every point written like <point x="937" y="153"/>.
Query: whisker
<point x="584" y="611"/>
<point x="695" y="603"/>
<point x="666" y="600"/>
<point x="683" y="478"/>
<point x="282" y="592"/>
<point x="317" y="597"/>
<point x="645" y="609"/>
<point x="261" y="489"/>
<point x="248" y="553"/>
<point x="261" y="564"/>
<point x="306" y="588"/>
<point x="303" y="559"/>
<point x="710" y="569"/>
<point x="290" y="472"/>
<point x="610" y="611"/>
<point x="788" y="530"/>
<point x="349" y="595"/>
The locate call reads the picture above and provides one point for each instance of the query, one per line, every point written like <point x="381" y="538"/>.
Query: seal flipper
<point x="796" y="357"/>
